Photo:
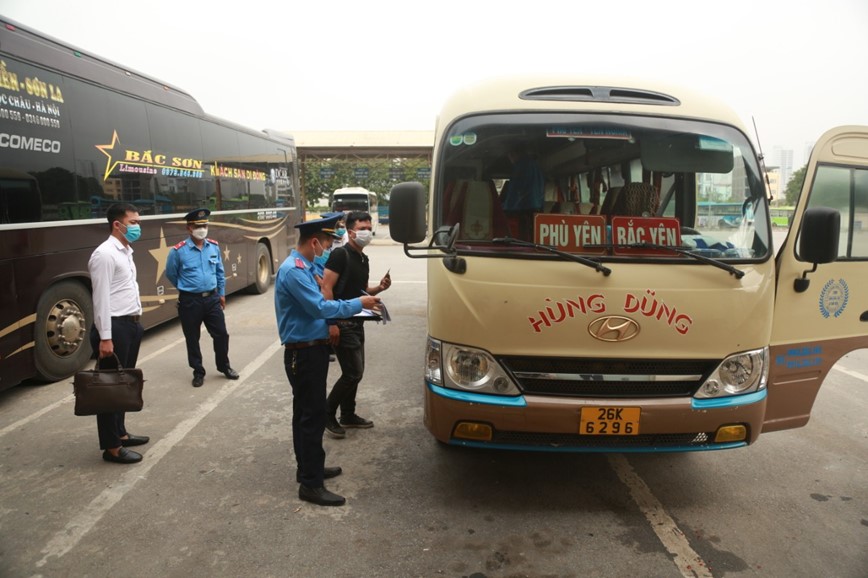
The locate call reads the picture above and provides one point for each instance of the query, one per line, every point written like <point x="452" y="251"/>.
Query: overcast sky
<point x="797" y="68"/>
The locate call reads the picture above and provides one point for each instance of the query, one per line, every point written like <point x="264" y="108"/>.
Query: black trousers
<point x="307" y="370"/>
<point x="126" y="339"/>
<point x="351" y="357"/>
<point x="195" y="310"/>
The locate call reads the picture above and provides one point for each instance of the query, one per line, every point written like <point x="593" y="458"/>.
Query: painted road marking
<point x="36" y="415"/>
<point x="689" y="563"/>
<point x="67" y="538"/>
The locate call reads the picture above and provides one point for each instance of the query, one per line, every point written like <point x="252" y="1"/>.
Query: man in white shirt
<point x="117" y="312"/>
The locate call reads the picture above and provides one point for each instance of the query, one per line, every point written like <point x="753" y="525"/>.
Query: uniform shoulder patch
<point x="212" y="241"/>
<point x="299" y="263"/>
<point x="179" y="245"/>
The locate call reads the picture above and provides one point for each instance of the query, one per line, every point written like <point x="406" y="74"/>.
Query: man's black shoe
<point x="231" y="373"/>
<point x="134" y="440"/>
<point x="198" y="380"/>
<point x="354" y="420"/>
<point x="327" y="473"/>
<point x="124" y="456"/>
<point x="334" y="428"/>
<point x="320" y="496"/>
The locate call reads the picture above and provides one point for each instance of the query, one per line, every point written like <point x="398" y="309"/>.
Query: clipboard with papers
<point x="371" y="315"/>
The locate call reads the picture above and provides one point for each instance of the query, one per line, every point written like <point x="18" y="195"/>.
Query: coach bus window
<point x="19" y="198"/>
<point x="111" y="170"/>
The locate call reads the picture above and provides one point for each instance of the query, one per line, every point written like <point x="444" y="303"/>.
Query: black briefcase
<point x="108" y="390"/>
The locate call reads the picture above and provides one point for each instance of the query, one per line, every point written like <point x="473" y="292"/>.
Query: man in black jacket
<point x="346" y="277"/>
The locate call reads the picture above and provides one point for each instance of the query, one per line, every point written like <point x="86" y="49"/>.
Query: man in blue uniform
<point x="301" y="314"/>
<point x="195" y="267"/>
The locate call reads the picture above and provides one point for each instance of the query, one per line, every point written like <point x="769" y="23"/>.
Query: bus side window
<point x="19" y="201"/>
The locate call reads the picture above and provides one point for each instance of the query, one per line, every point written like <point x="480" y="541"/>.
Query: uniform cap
<point x="323" y="225"/>
<point x="197" y="217"/>
<point x="332" y="229"/>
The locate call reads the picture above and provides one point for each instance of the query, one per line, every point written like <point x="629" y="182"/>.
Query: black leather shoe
<point x="198" y="380"/>
<point x="334" y="428"/>
<point x="320" y="496"/>
<point x="134" y="440"/>
<point x="124" y="456"/>
<point x="327" y="473"/>
<point x="231" y="373"/>
<point x="354" y="420"/>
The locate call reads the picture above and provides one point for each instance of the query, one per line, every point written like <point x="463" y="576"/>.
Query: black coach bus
<point x="78" y="133"/>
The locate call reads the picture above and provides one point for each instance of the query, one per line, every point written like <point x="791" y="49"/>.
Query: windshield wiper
<point x="597" y="266"/>
<point x="737" y="273"/>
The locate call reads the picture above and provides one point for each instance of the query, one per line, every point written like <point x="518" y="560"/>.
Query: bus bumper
<point x="541" y="423"/>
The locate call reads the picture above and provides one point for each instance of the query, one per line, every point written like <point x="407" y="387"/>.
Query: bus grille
<point x="608" y="378"/>
<point x="694" y="440"/>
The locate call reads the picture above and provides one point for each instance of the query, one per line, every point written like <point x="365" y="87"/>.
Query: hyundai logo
<point x="613" y="328"/>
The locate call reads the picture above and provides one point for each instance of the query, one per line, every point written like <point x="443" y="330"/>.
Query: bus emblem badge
<point x="613" y="328"/>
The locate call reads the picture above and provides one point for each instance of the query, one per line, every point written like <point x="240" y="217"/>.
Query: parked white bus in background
<point x="357" y="199"/>
<point x="577" y="301"/>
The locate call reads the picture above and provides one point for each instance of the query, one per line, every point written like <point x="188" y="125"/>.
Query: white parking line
<point x="67" y="538"/>
<point x="689" y="563"/>
<point x="36" y="415"/>
<point x="851" y="373"/>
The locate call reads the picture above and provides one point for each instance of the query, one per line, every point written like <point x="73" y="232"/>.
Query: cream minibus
<point x="576" y="300"/>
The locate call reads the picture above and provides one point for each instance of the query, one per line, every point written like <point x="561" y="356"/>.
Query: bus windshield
<point x="608" y="186"/>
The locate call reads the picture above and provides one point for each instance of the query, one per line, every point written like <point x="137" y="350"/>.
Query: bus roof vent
<point x="599" y="94"/>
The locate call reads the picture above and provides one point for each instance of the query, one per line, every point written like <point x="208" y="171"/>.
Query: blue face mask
<point x="133" y="233"/>
<point x="341" y="232"/>
<point x="321" y="259"/>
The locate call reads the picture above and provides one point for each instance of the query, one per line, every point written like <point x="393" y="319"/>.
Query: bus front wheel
<point x="64" y="316"/>
<point x="263" y="270"/>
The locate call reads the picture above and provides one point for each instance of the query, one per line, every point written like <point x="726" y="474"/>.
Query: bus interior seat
<point x="609" y="200"/>
<point x="476" y="206"/>
<point x="635" y="199"/>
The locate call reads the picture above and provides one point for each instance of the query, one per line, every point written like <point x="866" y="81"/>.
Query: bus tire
<point x="262" y="270"/>
<point x="64" y="317"/>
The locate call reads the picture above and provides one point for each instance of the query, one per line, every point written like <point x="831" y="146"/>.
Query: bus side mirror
<point x="407" y="212"/>
<point x="818" y="241"/>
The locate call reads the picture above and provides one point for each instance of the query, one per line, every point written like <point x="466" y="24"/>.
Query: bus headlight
<point x="740" y="373"/>
<point x="468" y="369"/>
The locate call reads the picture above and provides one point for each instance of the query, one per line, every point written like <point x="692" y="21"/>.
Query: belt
<point x="197" y="294"/>
<point x="306" y="344"/>
<point x="133" y="318"/>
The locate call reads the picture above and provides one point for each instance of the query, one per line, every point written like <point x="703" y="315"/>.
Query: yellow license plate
<point x="610" y="421"/>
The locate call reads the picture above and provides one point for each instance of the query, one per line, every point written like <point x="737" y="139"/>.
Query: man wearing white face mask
<point x="195" y="267"/>
<point x="346" y="277"/>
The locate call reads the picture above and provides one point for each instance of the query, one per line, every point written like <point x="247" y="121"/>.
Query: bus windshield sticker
<point x="570" y="233"/>
<point x="468" y="138"/>
<point x="709" y="143"/>
<point x="585" y="132"/>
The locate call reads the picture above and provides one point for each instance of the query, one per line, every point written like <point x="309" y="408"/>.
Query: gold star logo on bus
<point x="107" y="150"/>
<point x="161" y="253"/>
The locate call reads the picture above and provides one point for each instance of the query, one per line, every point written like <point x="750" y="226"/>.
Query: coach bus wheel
<point x="64" y="317"/>
<point x="263" y="270"/>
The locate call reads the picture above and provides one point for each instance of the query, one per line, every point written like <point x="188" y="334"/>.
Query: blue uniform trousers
<point x="126" y="339"/>
<point x="194" y="310"/>
<point x="307" y="370"/>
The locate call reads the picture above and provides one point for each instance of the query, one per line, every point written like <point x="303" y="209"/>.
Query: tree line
<point x="323" y="176"/>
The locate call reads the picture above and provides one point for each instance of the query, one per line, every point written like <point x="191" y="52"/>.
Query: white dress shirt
<point x="115" y="290"/>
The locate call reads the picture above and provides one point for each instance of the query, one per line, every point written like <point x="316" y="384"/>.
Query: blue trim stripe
<point x="468" y="397"/>
<point x="610" y="450"/>
<point x="731" y="401"/>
